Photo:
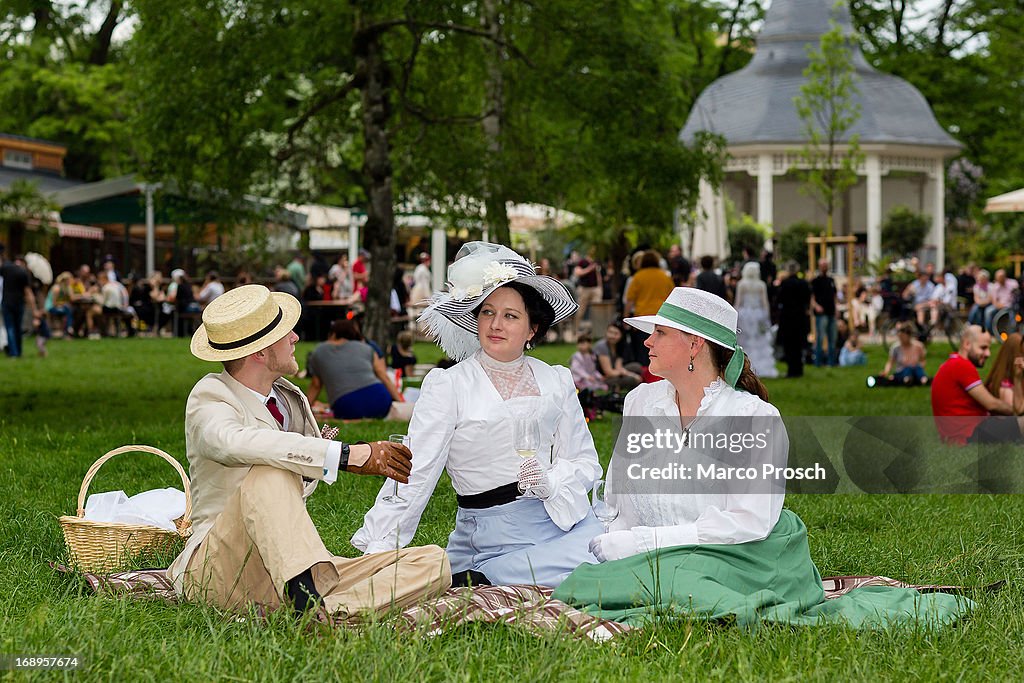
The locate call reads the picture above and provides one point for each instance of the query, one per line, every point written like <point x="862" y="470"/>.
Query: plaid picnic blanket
<point x="529" y="607"/>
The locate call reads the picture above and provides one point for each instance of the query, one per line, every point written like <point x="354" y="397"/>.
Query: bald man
<point x="960" y="401"/>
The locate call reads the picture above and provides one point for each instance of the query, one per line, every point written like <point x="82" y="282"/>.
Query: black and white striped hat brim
<point x="453" y="325"/>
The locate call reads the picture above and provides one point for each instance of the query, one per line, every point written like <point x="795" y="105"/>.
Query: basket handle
<point x="185" y="520"/>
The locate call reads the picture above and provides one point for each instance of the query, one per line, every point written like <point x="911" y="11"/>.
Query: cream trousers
<point x="264" y="537"/>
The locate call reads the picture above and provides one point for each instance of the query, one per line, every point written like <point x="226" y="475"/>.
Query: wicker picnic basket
<point x="102" y="546"/>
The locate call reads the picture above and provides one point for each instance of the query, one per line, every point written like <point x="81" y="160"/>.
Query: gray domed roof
<point x="755" y="104"/>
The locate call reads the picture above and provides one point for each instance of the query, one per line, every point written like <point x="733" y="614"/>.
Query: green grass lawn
<point x="57" y="415"/>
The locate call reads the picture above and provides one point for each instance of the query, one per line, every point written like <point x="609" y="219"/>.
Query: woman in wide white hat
<point x="519" y="521"/>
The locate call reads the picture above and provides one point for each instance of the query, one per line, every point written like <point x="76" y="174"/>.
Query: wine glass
<point x="603" y="510"/>
<point x="525" y="438"/>
<point x="394" y="497"/>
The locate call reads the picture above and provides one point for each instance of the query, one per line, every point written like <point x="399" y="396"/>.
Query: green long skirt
<point x="773" y="580"/>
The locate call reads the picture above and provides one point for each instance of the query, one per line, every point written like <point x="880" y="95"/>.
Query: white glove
<point x="614" y="545"/>
<point x="534" y="479"/>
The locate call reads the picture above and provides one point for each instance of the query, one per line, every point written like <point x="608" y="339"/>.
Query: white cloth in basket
<point x="159" y="507"/>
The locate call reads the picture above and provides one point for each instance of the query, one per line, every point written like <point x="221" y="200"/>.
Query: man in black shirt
<point x="965" y="282"/>
<point x="824" y="298"/>
<point x="708" y="279"/>
<point x="678" y="266"/>
<point x="17" y="293"/>
<point x="794" y="322"/>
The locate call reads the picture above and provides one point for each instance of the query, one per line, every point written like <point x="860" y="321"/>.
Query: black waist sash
<point x="488" y="499"/>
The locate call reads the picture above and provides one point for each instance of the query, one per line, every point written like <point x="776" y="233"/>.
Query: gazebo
<point x="904" y="147"/>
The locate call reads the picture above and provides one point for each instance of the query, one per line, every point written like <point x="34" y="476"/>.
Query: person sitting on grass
<point x="355" y="377"/>
<point x="402" y="356"/>
<point x="960" y="402"/>
<point x="518" y="521"/>
<point x="255" y="454"/>
<point x="583" y="366"/>
<point x="714" y="550"/>
<point x="1006" y="379"/>
<point x="852" y="352"/>
<point x="620" y="373"/>
<point x="905" y="364"/>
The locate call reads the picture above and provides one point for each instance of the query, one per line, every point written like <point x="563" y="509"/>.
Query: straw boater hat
<point x="244" y="320"/>
<point x="701" y="313"/>
<point x="479" y="269"/>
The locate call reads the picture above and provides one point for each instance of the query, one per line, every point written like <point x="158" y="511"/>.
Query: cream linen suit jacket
<point x="227" y="431"/>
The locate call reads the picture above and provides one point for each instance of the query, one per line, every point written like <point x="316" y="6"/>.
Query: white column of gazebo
<point x="766" y="165"/>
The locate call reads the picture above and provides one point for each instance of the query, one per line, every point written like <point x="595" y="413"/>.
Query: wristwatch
<point x="343" y="462"/>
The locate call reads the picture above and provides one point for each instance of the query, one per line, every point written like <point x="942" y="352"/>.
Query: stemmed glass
<point x="525" y="438"/>
<point x="394" y="497"/>
<point x="603" y="510"/>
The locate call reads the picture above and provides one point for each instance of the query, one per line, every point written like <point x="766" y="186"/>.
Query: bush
<point x="792" y="243"/>
<point x="904" y="231"/>
<point x="745" y="236"/>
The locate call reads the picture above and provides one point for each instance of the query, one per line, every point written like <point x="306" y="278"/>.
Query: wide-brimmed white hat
<point x="701" y="313"/>
<point x="480" y="268"/>
<point x="244" y="320"/>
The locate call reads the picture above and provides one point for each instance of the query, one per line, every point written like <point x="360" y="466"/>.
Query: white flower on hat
<point x="463" y="293"/>
<point x="471" y="278"/>
<point x="497" y="272"/>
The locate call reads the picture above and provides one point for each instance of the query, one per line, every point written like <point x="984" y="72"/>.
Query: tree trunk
<point x="494" y="197"/>
<point x="619" y="252"/>
<point x="379" y="231"/>
<point x="101" y="48"/>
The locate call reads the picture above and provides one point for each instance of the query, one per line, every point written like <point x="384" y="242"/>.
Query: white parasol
<point x="1011" y="202"/>
<point x="39" y="267"/>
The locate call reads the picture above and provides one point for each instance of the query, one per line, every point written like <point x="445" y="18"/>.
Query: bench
<point x="192" y="318"/>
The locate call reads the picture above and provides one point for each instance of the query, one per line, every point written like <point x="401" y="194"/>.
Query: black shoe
<point x="302" y="592"/>
<point x="469" y="578"/>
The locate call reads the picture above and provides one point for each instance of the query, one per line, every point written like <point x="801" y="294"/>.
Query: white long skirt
<point x="755" y="336"/>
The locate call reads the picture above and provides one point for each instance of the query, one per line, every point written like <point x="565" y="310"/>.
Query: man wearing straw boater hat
<point x="255" y="454"/>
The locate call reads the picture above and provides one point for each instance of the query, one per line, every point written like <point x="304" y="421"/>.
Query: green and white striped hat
<point x="701" y="313"/>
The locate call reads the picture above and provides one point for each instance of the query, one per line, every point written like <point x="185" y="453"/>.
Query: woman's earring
<point x="529" y="345"/>
<point x="690" y="366"/>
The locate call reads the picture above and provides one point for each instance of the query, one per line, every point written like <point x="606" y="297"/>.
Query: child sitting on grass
<point x="583" y="366"/>
<point x="401" y="354"/>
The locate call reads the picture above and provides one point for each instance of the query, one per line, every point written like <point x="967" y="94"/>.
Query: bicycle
<point x="952" y="325"/>
<point x="1007" y="321"/>
<point x="949" y="324"/>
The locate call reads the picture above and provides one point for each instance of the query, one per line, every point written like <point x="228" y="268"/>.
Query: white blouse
<point x="666" y="520"/>
<point x="462" y="425"/>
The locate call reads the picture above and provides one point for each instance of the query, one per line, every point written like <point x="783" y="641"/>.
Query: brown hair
<point x="1002" y="368"/>
<point x="234" y="365"/>
<point x="748" y="381"/>
<point x="404" y="339"/>
<point x="346" y="329"/>
<point x="650" y="259"/>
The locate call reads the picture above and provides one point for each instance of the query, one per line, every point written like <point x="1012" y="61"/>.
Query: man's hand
<point x="383" y="458"/>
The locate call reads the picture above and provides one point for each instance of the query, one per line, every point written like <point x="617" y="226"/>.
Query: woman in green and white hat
<point x="692" y="345"/>
<point x="710" y="548"/>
